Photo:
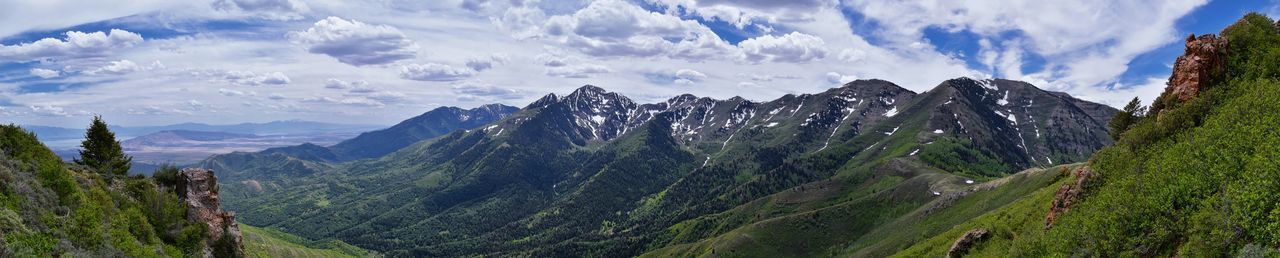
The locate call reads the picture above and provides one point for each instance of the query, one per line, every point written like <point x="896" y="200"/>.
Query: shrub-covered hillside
<point x="49" y="208"/>
<point x="1197" y="176"/>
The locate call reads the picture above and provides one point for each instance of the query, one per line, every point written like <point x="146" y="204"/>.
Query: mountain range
<point x="594" y="173"/>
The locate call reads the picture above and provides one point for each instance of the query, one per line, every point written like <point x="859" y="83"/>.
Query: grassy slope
<point x="1199" y="181"/>
<point x="266" y="242"/>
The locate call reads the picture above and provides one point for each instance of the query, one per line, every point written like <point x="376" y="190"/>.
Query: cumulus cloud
<point x="75" y="45"/>
<point x="742" y="14"/>
<point x="837" y="78"/>
<point x="620" y="29"/>
<point x="484" y="63"/>
<point x="333" y="83"/>
<point x="356" y="43"/>
<point x="681" y="77"/>
<point x="45" y="73"/>
<point x="577" y="71"/>
<point x="125" y="67"/>
<point x="281" y="10"/>
<point x="433" y="72"/>
<point x="550" y="60"/>
<point x="53" y="110"/>
<point x="794" y="47"/>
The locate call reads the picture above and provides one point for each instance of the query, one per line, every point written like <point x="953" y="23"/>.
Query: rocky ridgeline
<point x="1203" y="59"/>
<point x="199" y="188"/>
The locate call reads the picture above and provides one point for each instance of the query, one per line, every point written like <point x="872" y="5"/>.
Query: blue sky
<point x="380" y="61"/>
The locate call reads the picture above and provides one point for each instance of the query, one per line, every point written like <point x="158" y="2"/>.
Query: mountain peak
<point x="589" y="88"/>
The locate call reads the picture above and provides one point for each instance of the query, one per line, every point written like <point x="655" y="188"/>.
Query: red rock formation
<point x="199" y="188"/>
<point x="1068" y="195"/>
<point x="1204" y="57"/>
<point x="966" y="242"/>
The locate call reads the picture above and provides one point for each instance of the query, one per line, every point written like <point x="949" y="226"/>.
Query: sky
<point x="155" y="62"/>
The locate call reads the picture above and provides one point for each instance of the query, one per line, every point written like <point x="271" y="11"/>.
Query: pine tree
<point x="1132" y="112"/>
<point x="101" y="151"/>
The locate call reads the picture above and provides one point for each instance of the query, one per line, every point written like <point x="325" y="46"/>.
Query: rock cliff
<point x="199" y="189"/>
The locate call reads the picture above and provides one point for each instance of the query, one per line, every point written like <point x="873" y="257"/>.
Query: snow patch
<point x="771" y="124"/>
<point x="893" y="111"/>
<point x="937" y="131"/>
<point x="913" y="153"/>
<point x="895" y="129"/>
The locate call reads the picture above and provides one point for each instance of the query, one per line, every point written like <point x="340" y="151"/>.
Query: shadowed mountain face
<point x="593" y="173"/>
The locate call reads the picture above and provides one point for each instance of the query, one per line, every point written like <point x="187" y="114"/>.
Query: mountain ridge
<point x="556" y="156"/>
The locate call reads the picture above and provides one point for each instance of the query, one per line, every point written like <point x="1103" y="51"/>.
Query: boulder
<point x="966" y="242"/>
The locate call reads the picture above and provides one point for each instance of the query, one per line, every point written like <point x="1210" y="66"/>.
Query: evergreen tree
<point x="1132" y="112"/>
<point x="101" y="151"/>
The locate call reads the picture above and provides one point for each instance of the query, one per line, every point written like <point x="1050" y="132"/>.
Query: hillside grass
<point x="267" y="242"/>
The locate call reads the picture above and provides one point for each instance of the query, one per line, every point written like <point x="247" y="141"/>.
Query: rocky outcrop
<point x="1204" y="58"/>
<point x="966" y="242"/>
<point x="199" y="188"/>
<point x="1068" y="195"/>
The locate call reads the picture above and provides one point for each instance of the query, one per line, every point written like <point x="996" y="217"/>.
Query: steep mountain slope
<point x="50" y="209"/>
<point x="1195" y="177"/>
<point x="309" y="158"/>
<point x="593" y="173"/>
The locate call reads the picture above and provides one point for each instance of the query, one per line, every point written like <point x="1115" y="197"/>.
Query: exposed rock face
<point x="199" y="188"/>
<point x="1204" y="57"/>
<point x="966" y="242"/>
<point x="1068" y="195"/>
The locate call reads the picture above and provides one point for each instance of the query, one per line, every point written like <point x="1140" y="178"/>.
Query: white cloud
<point x="743" y="14"/>
<point x="553" y="60"/>
<point x="333" y="83"/>
<point x="433" y="72"/>
<point x="691" y="75"/>
<point x="837" y="78"/>
<point x="230" y="93"/>
<point x="53" y="110"/>
<point x="351" y="101"/>
<point x="45" y="73"/>
<point x="356" y="43"/>
<point x="75" y="45"/>
<point x="276" y="96"/>
<point x="281" y="10"/>
<point x="484" y="63"/>
<point x="612" y="28"/>
<point x="246" y="78"/>
<point x="473" y="91"/>
<point x="794" y="47"/>
<point x="1084" y="42"/>
<point x="125" y="67"/>
<point x="577" y="71"/>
